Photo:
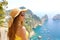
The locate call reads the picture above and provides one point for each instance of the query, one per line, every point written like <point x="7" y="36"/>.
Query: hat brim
<point x="20" y="11"/>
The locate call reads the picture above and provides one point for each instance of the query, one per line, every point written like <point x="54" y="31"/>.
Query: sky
<point x="38" y="7"/>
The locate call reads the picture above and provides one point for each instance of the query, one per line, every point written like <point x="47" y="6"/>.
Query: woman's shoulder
<point x="24" y="28"/>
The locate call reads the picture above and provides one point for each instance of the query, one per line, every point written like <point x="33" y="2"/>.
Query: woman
<point x="16" y="30"/>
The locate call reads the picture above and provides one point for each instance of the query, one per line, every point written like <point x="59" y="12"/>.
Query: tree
<point x="2" y="12"/>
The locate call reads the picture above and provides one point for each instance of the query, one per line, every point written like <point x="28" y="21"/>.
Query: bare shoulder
<point x="24" y="28"/>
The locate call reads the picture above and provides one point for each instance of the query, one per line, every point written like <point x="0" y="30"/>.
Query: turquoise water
<point x="49" y="31"/>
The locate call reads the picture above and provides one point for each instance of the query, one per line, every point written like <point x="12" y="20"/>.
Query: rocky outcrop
<point x="31" y="19"/>
<point x="56" y="17"/>
<point x="44" y="19"/>
<point x="32" y="33"/>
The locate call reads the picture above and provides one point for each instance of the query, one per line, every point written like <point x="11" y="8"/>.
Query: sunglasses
<point x="22" y="14"/>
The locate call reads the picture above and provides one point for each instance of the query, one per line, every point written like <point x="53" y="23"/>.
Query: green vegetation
<point x="2" y="12"/>
<point x="31" y="20"/>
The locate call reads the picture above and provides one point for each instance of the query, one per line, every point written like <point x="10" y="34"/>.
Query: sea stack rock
<point x="56" y="17"/>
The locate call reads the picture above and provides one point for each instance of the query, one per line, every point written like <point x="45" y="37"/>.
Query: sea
<point x="50" y="30"/>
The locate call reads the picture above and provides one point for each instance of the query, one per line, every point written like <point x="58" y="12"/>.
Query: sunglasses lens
<point x="22" y="14"/>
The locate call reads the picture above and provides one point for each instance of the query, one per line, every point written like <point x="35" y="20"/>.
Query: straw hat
<point x="15" y="12"/>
